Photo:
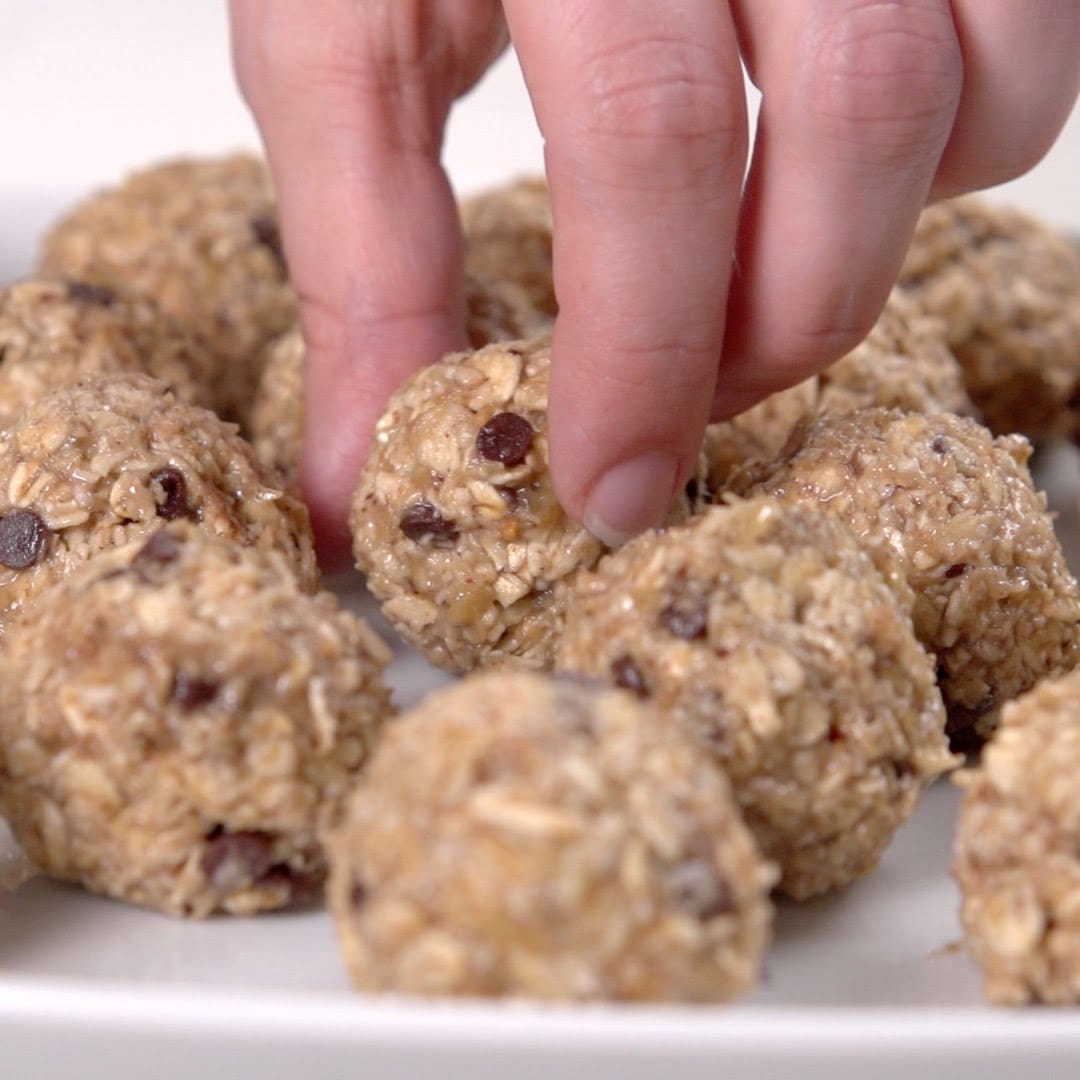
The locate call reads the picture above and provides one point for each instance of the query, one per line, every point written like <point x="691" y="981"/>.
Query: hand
<point x="870" y="108"/>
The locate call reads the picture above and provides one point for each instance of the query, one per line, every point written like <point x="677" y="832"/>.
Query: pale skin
<point x="684" y="295"/>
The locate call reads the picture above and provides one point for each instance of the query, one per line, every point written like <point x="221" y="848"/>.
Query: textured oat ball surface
<point x="53" y="333"/>
<point x="904" y="363"/>
<point x="110" y="459"/>
<point x="200" y="237"/>
<point x="508" y="238"/>
<point x="180" y="719"/>
<point x="522" y="835"/>
<point x="1017" y="857"/>
<point x="767" y="633"/>
<point x="494" y="311"/>
<point x="454" y="520"/>
<point x="952" y="512"/>
<point x="1008" y="288"/>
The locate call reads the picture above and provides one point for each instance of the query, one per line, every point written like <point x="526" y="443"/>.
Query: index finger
<point x="643" y="110"/>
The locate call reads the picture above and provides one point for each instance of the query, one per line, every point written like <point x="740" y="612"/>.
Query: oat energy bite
<point x="1008" y="288"/>
<point x="180" y="719"/>
<point x="199" y="236"/>
<point x="53" y="333"/>
<point x="951" y="512"/>
<point x="1017" y="856"/>
<point x="111" y="459"/>
<point x="508" y="238"/>
<point x="454" y="521"/>
<point x="766" y="632"/>
<point x="521" y="835"/>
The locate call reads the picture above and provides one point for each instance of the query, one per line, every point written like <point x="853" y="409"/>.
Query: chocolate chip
<point x="301" y="889"/>
<point x="939" y="444"/>
<point x="901" y="769"/>
<point x="235" y="860"/>
<point x="190" y="692"/>
<point x="266" y="232"/>
<point x="85" y="292"/>
<point x="359" y="895"/>
<point x="697" y="888"/>
<point x="23" y="539"/>
<point x="956" y="569"/>
<point x="157" y="554"/>
<point x="3" y="352"/>
<point x="506" y="438"/>
<point x="627" y="674"/>
<point x="170" y="491"/>
<point x="686" y="618"/>
<point x="421" y="523"/>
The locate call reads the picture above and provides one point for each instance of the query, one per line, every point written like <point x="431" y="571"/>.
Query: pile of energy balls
<point x="859" y="591"/>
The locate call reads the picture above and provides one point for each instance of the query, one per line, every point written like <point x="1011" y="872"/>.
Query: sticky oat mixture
<point x="1017" y="856"/>
<point x="521" y="835"/>
<point x="199" y="236"/>
<point x="111" y="459"/>
<point x="179" y="720"/>
<point x="1008" y="288"/>
<point x="454" y="520"/>
<point x="950" y="512"/>
<point x="53" y="333"/>
<point x="767" y="633"/>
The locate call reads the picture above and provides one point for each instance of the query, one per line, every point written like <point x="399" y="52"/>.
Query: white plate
<point x="867" y="983"/>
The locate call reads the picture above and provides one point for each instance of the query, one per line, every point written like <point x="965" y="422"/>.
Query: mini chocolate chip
<point x="170" y="491"/>
<point x="698" y="889"/>
<point x="235" y="860"/>
<point x="359" y="894"/>
<point x="956" y="569"/>
<point x="422" y="522"/>
<point x="86" y="292"/>
<point x="902" y="769"/>
<point x="834" y="734"/>
<point x="301" y="888"/>
<point x="191" y="693"/>
<point x="3" y="352"/>
<point x="627" y="674"/>
<point x="157" y="554"/>
<point x="23" y="539"/>
<point x="266" y="232"/>
<point x="939" y="444"/>
<point x="506" y="438"/>
<point x="686" y="618"/>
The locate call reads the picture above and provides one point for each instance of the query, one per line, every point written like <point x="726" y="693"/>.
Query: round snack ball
<point x="951" y="512"/>
<point x="1008" y="288"/>
<point x="454" y="521"/>
<point x="53" y="333"/>
<point x="521" y="835"/>
<point x="180" y="720"/>
<point x="765" y="630"/>
<point x="108" y="460"/>
<point x="1017" y="854"/>
<point x="508" y="238"/>
<point x="494" y="311"/>
<point x="199" y="236"/>
<point x="904" y="363"/>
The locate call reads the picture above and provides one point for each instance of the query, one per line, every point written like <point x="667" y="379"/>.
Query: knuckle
<point x="658" y="96"/>
<point x="885" y="78"/>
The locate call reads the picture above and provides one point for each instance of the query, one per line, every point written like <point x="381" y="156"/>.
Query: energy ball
<point x="109" y="460"/>
<point x="53" y="333"/>
<point x="180" y="720"/>
<point x="199" y="236"/>
<point x="454" y="521"/>
<point x="904" y="363"/>
<point x="508" y="238"/>
<point x="518" y="835"/>
<point x="1008" y="288"/>
<point x="950" y="512"/>
<point x="767" y="633"/>
<point x="1017" y="857"/>
<point x="494" y="311"/>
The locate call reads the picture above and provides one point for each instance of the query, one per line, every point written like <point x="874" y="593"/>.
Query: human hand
<point x="683" y="295"/>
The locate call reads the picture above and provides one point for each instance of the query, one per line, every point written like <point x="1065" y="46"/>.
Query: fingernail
<point x="631" y="497"/>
